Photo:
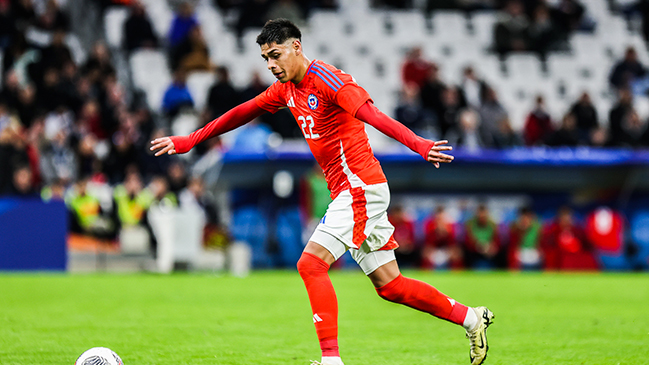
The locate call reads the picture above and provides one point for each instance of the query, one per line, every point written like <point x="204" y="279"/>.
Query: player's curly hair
<point x="278" y="31"/>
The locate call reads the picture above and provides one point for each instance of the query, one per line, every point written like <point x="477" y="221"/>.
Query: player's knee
<point x="310" y="265"/>
<point x="392" y="292"/>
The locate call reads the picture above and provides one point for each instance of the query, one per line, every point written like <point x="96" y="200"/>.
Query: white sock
<point x="331" y="360"/>
<point x="471" y="320"/>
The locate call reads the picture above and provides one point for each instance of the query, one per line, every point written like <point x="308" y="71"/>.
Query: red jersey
<point x="324" y="105"/>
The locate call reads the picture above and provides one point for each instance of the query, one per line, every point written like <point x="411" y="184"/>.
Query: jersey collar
<point x="303" y="82"/>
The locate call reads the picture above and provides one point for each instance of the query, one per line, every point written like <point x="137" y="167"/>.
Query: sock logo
<point x="452" y="301"/>
<point x="316" y="318"/>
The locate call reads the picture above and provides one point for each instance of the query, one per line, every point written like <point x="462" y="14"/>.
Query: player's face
<point x="282" y="59"/>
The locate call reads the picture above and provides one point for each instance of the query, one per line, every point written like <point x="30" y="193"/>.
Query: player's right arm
<point x="234" y="118"/>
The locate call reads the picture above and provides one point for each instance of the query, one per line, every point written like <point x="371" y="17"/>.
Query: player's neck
<point x="304" y="67"/>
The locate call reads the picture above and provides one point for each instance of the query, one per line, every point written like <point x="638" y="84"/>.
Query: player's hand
<point x="163" y="145"/>
<point x="436" y="154"/>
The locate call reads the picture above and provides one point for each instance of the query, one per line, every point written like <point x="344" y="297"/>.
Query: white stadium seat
<point x="151" y="74"/>
<point x="199" y="84"/>
<point x="114" y="19"/>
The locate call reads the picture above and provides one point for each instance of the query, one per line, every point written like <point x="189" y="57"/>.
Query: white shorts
<point x="357" y="219"/>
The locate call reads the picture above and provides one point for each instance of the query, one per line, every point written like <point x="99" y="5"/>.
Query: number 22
<point x="308" y="133"/>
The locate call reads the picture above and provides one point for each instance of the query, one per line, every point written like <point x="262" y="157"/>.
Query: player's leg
<point x="313" y="267"/>
<point x="394" y="287"/>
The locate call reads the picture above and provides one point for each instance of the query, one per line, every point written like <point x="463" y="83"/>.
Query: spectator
<point x="586" y="117"/>
<point x="23" y="184"/>
<point x="543" y="33"/>
<point x="473" y="89"/>
<point x="177" y="95"/>
<point x="634" y="131"/>
<point x="600" y="138"/>
<point x="138" y="31"/>
<point x="441" y="250"/>
<point x="184" y="21"/>
<point x="254" y="88"/>
<point x="222" y="95"/>
<point x="57" y="53"/>
<point x="491" y="114"/>
<point x="618" y="115"/>
<point x="605" y="230"/>
<point x="512" y="30"/>
<point x="98" y="65"/>
<point x="87" y="216"/>
<point x="643" y="8"/>
<point x="287" y="9"/>
<point x="131" y="203"/>
<point x="626" y="71"/>
<point x="524" y="251"/>
<point x="416" y="70"/>
<point x="469" y="136"/>
<point x="162" y="196"/>
<point x="564" y="244"/>
<point x="431" y="94"/>
<point x="7" y="25"/>
<point x="538" y="125"/>
<point x="452" y="106"/>
<point x="53" y="18"/>
<point x="505" y="136"/>
<point x="191" y="54"/>
<point x="568" y="15"/>
<point x="252" y="14"/>
<point x="404" y="232"/>
<point x="26" y="106"/>
<point x="567" y="134"/>
<point x="177" y="177"/>
<point x="412" y="115"/>
<point x="58" y="161"/>
<point x="194" y="196"/>
<point x="482" y="242"/>
<point x="50" y="94"/>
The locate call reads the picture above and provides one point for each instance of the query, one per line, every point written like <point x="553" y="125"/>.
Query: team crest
<point x="312" y="100"/>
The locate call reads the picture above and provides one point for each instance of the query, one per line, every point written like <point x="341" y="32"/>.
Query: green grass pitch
<point x="266" y="319"/>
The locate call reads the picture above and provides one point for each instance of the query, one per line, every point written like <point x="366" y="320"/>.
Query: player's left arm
<point x="431" y="151"/>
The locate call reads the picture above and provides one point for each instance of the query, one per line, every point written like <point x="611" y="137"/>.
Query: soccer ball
<point x="99" y="356"/>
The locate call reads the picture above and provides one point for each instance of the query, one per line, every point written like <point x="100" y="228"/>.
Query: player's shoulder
<point x="329" y="76"/>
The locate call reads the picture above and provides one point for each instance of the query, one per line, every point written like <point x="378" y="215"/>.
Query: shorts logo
<point x="312" y="101"/>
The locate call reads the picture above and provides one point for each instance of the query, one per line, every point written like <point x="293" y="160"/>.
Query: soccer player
<point x="330" y="108"/>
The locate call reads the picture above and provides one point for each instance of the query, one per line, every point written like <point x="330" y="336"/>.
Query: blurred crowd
<point x="598" y="240"/>
<point x="70" y="129"/>
<point x="470" y="114"/>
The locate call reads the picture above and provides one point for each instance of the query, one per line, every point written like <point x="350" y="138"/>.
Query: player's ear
<point x="297" y="47"/>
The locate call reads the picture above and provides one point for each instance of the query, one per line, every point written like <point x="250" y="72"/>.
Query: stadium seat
<point x="524" y="66"/>
<point x="114" y="19"/>
<point x="640" y="236"/>
<point x="150" y="73"/>
<point x="250" y="226"/>
<point x="213" y="27"/>
<point x="450" y="26"/>
<point x="199" y="84"/>
<point x="483" y="24"/>
<point x="78" y="53"/>
<point x="408" y="27"/>
<point x="288" y="233"/>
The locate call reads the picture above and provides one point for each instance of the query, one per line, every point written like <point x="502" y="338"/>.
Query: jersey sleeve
<point x="351" y="97"/>
<point x="271" y="100"/>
